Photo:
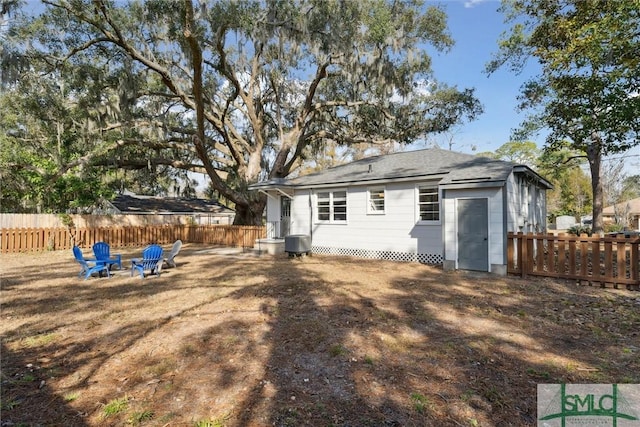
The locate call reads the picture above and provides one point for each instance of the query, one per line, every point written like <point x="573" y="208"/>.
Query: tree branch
<point x="199" y="138"/>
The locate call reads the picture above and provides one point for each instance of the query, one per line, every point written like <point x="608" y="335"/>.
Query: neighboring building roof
<point x="167" y="205"/>
<point x="449" y="167"/>
<point x="634" y="207"/>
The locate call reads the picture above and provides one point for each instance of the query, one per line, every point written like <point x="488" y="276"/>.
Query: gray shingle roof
<point x="449" y="167"/>
<point x="150" y="204"/>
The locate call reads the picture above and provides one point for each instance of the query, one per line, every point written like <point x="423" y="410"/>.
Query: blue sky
<point x="476" y="26"/>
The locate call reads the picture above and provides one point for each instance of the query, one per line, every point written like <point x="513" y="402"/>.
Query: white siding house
<point x="432" y="206"/>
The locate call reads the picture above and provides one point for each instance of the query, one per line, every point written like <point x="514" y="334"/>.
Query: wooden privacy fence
<point x="40" y="239"/>
<point x="604" y="260"/>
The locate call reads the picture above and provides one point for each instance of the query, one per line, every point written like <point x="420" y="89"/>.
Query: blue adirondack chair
<point x="151" y="257"/>
<point x="102" y="251"/>
<point x="86" y="268"/>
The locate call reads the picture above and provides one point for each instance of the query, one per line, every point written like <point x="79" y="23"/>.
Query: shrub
<point x="613" y="228"/>
<point x="579" y="229"/>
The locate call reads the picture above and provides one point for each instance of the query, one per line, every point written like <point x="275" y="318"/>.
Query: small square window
<point x="376" y="201"/>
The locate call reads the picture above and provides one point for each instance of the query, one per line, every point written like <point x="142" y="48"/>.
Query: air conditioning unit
<point x="297" y="244"/>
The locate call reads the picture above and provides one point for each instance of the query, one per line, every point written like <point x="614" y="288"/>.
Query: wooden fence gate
<point x="597" y="259"/>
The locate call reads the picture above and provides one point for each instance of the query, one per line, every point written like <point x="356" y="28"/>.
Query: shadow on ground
<point x="237" y="340"/>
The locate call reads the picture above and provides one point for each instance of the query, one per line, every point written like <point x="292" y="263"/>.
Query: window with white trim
<point x="331" y="206"/>
<point x="324" y="206"/>
<point x="428" y="204"/>
<point x="375" y="203"/>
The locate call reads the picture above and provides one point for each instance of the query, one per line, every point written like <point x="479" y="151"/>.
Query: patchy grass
<point x="239" y="340"/>
<point x="420" y="402"/>
<point x="116" y="406"/>
<point x="39" y="340"/>
<point x="139" y="418"/>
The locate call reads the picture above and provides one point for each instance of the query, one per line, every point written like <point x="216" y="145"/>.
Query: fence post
<point x="621" y="256"/>
<point x="562" y="255"/>
<point x="551" y="253"/>
<point x="595" y="260"/>
<point x="608" y="259"/>
<point x="635" y="264"/>
<point x="524" y="258"/>
<point x="584" y="254"/>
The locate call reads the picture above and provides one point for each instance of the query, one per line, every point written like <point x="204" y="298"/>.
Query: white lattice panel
<point x="433" y="259"/>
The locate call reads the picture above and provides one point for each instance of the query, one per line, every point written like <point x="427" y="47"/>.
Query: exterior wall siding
<point x="527" y="206"/>
<point x="513" y="205"/>
<point x="273" y="206"/>
<point x="540" y="219"/>
<point x="300" y="213"/>
<point x="273" y="214"/>
<point x="393" y="234"/>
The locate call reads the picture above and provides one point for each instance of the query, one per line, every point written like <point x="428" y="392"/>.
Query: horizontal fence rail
<point x="597" y="259"/>
<point x="41" y="239"/>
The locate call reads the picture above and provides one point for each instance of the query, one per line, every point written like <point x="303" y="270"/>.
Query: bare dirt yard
<point x="235" y="339"/>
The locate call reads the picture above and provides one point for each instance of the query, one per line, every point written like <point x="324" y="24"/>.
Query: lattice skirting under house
<point x="432" y="259"/>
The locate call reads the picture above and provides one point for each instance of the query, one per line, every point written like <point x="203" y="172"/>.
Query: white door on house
<point x="285" y="216"/>
<point x="473" y="234"/>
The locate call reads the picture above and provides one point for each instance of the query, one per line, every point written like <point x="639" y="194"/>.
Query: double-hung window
<point x="375" y="201"/>
<point x="332" y="206"/>
<point x="428" y="204"/>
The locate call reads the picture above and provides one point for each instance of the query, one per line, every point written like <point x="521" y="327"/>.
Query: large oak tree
<point x="242" y="90"/>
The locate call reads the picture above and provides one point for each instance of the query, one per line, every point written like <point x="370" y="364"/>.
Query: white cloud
<point x="471" y="3"/>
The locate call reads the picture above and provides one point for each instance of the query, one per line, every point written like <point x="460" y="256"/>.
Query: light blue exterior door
<point x="473" y="234"/>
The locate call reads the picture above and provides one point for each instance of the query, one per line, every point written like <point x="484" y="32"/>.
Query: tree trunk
<point x="594" y="155"/>
<point x="249" y="214"/>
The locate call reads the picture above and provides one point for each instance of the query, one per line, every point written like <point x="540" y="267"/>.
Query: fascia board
<point x="373" y="181"/>
<point x="471" y="184"/>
